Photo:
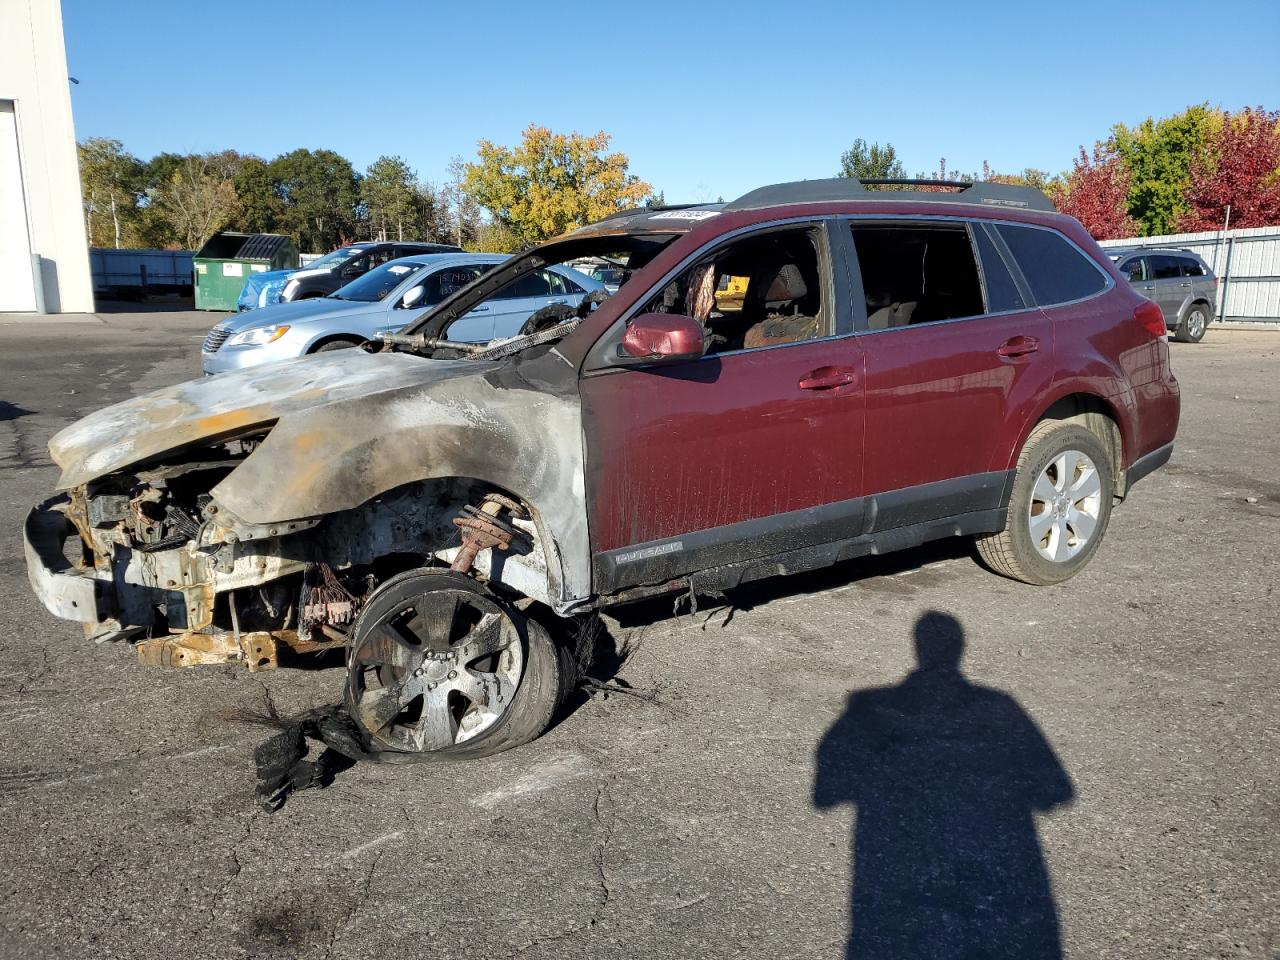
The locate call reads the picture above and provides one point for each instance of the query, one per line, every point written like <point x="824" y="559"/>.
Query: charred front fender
<point x="492" y="427"/>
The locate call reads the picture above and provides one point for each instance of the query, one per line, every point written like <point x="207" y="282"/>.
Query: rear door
<point x="954" y="345"/>
<point x="1198" y="285"/>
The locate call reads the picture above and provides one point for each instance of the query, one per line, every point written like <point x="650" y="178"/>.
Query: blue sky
<point x="707" y="99"/>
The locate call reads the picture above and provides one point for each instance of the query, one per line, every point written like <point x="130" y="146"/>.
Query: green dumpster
<point x="228" y="257"/>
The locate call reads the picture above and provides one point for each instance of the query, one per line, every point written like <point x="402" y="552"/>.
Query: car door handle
<point x="827" y="378"/>
<point x="1018" y="347"/>
<point x="479" y="310"/>
<point x="1185" y="283"/>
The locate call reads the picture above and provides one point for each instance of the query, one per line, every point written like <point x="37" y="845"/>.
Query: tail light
<point x="1151" y="317"/>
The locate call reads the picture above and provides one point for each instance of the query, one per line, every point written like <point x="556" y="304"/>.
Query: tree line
<point x="1166" y="175"/>
<point x="1163" y="175"/>
<point x="507" y="198"/>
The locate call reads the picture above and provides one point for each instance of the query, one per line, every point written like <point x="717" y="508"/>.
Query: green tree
<point x="198" y="198"/>
<point x="320" y="192"/>
<point x="551" y="182"/>
<point x="1158" y="156"/>
<point x="112" y="183"/>
<point x="871" y="162"/>
<point x="390" y="195"/>
<point x="262" y="209"/>
<point x="461" y="215"/>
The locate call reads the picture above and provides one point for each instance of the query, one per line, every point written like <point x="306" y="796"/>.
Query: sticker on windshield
<point x="397" y="270"/>
<point x="686" y="215"/>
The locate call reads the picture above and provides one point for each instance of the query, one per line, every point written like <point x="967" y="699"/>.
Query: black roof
<point x="850" y="188"/>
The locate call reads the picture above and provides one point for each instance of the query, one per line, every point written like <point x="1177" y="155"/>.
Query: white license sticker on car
<point x="686" y="215"/>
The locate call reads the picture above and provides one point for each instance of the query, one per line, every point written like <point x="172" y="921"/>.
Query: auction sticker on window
<point x="686" y="215"/>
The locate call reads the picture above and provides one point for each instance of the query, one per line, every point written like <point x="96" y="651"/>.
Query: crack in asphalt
<point x="345" y="922"/>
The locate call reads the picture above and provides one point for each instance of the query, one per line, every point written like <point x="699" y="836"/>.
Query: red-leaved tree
<point x="1242" y="169"/>
<point x="1096" y="192"/>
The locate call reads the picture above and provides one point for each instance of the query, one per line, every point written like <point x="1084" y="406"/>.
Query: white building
<point x="40" y="212"/>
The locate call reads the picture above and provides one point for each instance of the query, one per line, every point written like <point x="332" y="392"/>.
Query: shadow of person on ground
<point x="11" y="411"/>
<point x="946" y="777"/>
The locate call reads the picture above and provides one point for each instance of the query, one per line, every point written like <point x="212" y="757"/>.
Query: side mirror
<point x="412" y="296"/>
<point x="663" y="338"/>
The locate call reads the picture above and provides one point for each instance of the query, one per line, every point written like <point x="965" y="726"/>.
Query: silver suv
<point x="1179" y="281"/>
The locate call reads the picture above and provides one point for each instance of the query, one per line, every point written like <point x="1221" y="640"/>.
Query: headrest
<point x="787" y="285"/>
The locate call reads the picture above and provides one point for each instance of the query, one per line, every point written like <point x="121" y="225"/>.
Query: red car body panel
<point x="725" y="439"/>
<point x="672" y="450"/>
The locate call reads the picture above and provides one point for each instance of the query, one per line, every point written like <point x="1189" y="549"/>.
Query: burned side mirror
<point x="662" y="338"/>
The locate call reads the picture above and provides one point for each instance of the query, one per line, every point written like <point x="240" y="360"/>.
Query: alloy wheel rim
<point x="1195" y="323"/>
<point x="437" y="670"/>
<point x="1066" y="502"/>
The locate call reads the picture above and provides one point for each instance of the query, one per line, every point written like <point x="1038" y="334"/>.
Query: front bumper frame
<point x="66" y="591"/>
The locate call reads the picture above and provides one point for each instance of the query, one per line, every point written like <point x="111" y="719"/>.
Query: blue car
<point x="383" y="301"/>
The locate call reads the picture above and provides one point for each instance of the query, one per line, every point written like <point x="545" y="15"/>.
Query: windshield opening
<point x="531" y="299"/>
<point x="378" y="282"/>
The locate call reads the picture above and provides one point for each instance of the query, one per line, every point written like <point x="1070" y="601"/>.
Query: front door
<point x="754" y="449"/>
<point x="1166" y="272"/>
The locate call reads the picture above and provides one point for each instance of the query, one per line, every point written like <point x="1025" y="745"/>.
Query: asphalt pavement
<point x="903" y="756"/>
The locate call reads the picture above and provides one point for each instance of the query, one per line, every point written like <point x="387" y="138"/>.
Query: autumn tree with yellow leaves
<point x="549" y="183"/>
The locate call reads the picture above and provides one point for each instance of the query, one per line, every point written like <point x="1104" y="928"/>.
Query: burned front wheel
<point x="439" y="666"/>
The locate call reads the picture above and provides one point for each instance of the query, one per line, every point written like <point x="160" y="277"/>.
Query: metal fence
<point x="1246" y="262"/>
<point x="137" y="272"/>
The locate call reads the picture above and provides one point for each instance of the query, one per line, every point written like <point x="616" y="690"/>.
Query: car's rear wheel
<point x="1059" y="508"/>
<point x="1192" y="327"/>
<point x="441" y="667"/>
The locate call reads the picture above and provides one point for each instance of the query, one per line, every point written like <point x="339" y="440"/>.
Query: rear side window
<point x="530" y="285"/>
<point x="916" y="274"/>
<point x="1055" y="270"/>
<point x="1191" y="268"/>
<point x="1002" y="293"/>
<point x="1165" y="268"/>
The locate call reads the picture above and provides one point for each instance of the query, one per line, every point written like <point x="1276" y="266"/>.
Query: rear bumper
<point x="65" y="591"/>
<point x="1147" y="464"/>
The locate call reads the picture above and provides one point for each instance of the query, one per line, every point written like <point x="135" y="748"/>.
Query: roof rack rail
<point x="850" y="188"/>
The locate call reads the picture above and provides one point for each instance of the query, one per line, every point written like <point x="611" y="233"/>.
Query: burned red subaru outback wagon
<point x="812" y="372"/>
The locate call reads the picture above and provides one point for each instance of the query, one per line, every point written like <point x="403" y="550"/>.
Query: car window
<point x="1164" y="267"/>
<point x="783" y="301"/>
<point x="569" y="286"/>
<point x="378" y="257"/>
<point x="1056" y="270"/>
<point x="916" y="273"/>
<point x="559" y="286"/>
<point x="445" y="283"/>
<point x="1191" y="268"/>
<point x="377" y="283"/>
<point x="533" y="284"/>
<point x="1002" y="293"/>
<point x="1134" y="270"/>
<point x="354" y="268"/>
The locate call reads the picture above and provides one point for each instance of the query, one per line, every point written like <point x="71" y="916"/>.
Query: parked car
<point x="1179" y="281"/>
<point x="376" y="303"/>
<point x="902" y="367"/>
<point x="322" y="277"/>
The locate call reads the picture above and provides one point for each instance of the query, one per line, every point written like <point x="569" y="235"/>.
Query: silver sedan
<point x="383" y="301"/>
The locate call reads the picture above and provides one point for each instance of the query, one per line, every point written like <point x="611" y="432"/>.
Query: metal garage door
<point x="17" y="291"/>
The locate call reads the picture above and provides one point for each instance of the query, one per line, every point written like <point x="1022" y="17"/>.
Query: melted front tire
<point x="441" y="668"/>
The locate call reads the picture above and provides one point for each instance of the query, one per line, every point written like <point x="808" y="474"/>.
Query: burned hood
<point x="214" y="408"/>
